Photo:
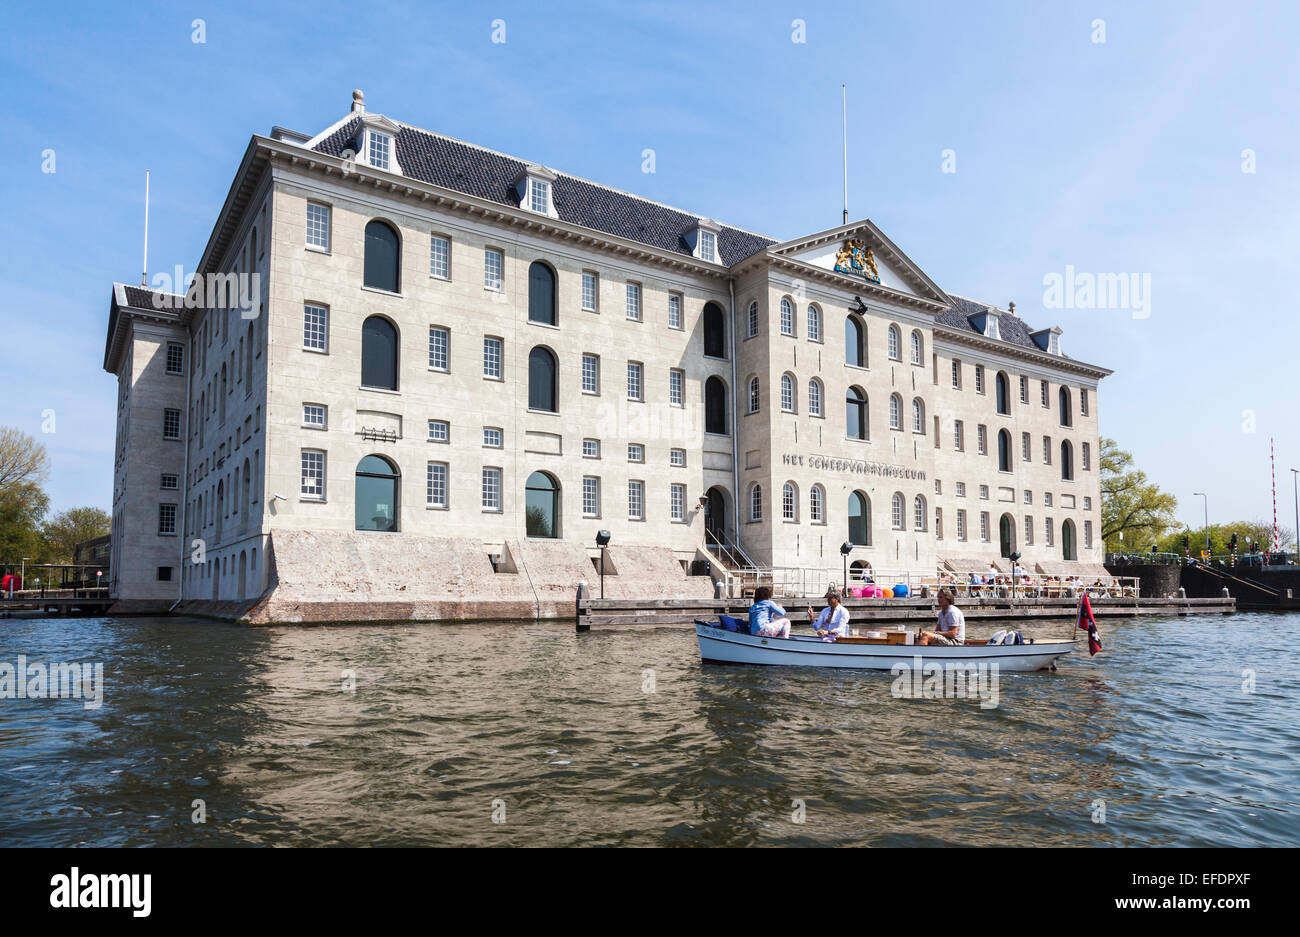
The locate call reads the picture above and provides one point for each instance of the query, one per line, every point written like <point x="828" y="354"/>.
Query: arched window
<point x="541" y="380"/>
<point x="542" y="506"/>
<point x="898" y="514"/>
<point x="817" y="505"/>
<point x="859" y="519"/>
<point x="814" y="324"/>
<point x="787" y="393"/>
<point x="383" y="257"/>
<point x="787" y="316"/>
<point x="855" y="342"/>
<point x="855" y="407"/>
<point x="1064" y="398"/>
<point x="751" y="317"/>
<point x="248" y="362"/>
<point x="789" y="502"/>
<point x="715" y="331"/>
<point x="1006" y="535"/>
<point x="541" y="293"/>
<point x="756" y="502"/>
<point x="1067" y="461"/>
<point x="919" y="514"/>
<point x="1003" y="393"/>
<point x="895" y="411"/>
<point x="753" y="395"/>
<point x="376" y="494"/>
<point x="1004" y="451"/>
<point x="224" y="392"/>
<point x="814" y="397"/>
<point x="918" y="415"/>
<point x="895" y="343"/>
<point x="715" y="406"/>
<point x="918" y="348"/>
<point x="244" y="492"/>
<point x="379" y="353"/>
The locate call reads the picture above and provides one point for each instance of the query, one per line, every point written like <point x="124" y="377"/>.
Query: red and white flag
<point x="1089" y="624"/>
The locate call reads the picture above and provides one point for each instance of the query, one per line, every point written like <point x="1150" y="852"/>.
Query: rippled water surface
<point x="623" y="737"/>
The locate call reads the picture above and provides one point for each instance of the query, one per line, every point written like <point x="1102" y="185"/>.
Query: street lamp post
<point x="1295" y="496"/>
<point x="1207" y="518"/>
<point x="845" y="549"/>
<point x="602" y="541"/>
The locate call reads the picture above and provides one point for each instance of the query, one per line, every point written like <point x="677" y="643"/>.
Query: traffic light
<point x="1234" y="543"/>
<point x="1187" y="542"/>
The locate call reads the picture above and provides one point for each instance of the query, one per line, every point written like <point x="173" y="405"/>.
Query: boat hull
<point x="717" y="645"/>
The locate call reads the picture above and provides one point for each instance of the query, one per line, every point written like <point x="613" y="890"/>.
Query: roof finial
<point x="358" y="102"/>
<point x="1011" y="307"/>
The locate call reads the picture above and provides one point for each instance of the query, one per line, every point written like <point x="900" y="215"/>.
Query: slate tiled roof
<point x="1011" y="328"/>
<point x="484" y="174"/>
<point x="141" y="297"/>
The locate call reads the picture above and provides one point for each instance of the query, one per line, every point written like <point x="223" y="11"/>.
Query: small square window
<point x="314" y="415"/>
<point x="635" y="452"/>
<point x="677" y="457"/>
<point x="439" y="431"/>
<point x="492" y="437"/>
<point x="591" y="448"/>
<point x="169" y="481"/>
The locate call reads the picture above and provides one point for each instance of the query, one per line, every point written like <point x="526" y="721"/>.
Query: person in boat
<point x="834" y="619"/>
<point x="766" y="618"/>
<point x="951" y="626"/>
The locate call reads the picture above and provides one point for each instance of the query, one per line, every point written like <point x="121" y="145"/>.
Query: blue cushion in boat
<point x="731" y="624"/>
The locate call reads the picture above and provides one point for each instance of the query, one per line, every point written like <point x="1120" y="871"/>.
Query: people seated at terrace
<point x="834" y="618"/>
<point x="766" y="618"/>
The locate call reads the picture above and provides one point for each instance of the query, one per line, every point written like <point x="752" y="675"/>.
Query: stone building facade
<point x="415" y="378"/>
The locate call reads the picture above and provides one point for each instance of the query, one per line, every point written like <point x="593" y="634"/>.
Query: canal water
<point x="1184" y="731"/>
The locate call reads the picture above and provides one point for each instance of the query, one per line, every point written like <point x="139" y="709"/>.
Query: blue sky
<point x="1123" y="156"/>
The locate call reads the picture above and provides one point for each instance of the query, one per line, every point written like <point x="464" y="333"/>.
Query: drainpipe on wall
<point x="735" y="424"/>
<point x="185" y="486"/>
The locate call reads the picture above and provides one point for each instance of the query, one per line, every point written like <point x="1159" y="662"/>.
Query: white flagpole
<point x="844" y="102"/>
<point x="144" y="269"/>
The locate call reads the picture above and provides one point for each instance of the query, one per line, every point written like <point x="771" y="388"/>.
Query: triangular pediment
<point x="860" y="252"/>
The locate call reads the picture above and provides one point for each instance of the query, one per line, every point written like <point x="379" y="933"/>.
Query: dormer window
<point x="703" y="240"/>
<point x="1049" y="340"/>
<point x="991" y="327"/>
<point x="378" y="147"/>
<point x="534" y="189"/>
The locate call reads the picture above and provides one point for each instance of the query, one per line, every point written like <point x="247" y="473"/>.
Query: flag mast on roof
<point x="144" y="270"/>
<point x="844" y="103"/>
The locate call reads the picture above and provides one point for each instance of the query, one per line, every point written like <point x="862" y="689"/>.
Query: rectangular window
<point x="708" y="246"/>
<point x="1087" y="504"/>
<point x="492" y="437"/>
<point x="979" y="378"/>
<point x="439" y="431"/>
<point x="492" y="358"/>
<point x="315" y="327"/>
<point x="439" y="341"/>
<point x="314" y="415"/>
<point x="591" y="448"/>
<point x="439" y="256"/>
<point x="674" y="311"/>
<point x="634" y="384"/>
<point x="539" y="192"/>
<point x="984" y="526"/>
<point x="590" y="374"/>
<point x="1083" y="400"/>
<point x="318" y="226"/>
<point x="1029" y="531"/>
<point x="751" y="328"/>
<point x="961" y="525"/>
<point x="436" y="485"/>
<point x="938" y="486"/>
<point x="635" y="452"/>
<point x="984" y="492"/>
<point x="164" y="574"/>
<point x="1086" y="457"/>
<point x="1029" y="496"/>
<point x="1087" y="534"/>
<point x="1025" y="447"/>
<point x="171" y="424"/>
<point x="677" y="389"/>
<point x="961" y="489"/>
<point x="636" y="500"/>
<point x="982" y="438"/>
<point x="170" y="481"/>
<point x="938" y="523"/>
<point x="1047" y="532"/>
<point x="167" y="519"/>
<point x="175" y="358"/>
<point x="1042" y="385"/>
<point x="1047" y="450"/>
<point x="677" y="497"/>
<point x="492" y="489"/>
<point x="958" y="436"/>
<point x="677" y="457"/>
<point x="1024" y="389"/>
<point x="1047" y="499"/>
<point x="590" y="496"/>
<point x="493" y="269"/>
<point x="956" y="373"/>
<point x="380" y="144"/>
<point x="590" y="290"/>
<point x="634" y="301"/>
<point x="313" y="475"/>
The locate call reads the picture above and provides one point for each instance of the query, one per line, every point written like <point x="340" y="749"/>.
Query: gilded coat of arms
<point x="856" y="259"/>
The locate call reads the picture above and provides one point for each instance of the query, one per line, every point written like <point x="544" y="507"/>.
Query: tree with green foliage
<point x="68" y="528"/>
<point x="1130" y="503"/>
<point x="24" y="466"/>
